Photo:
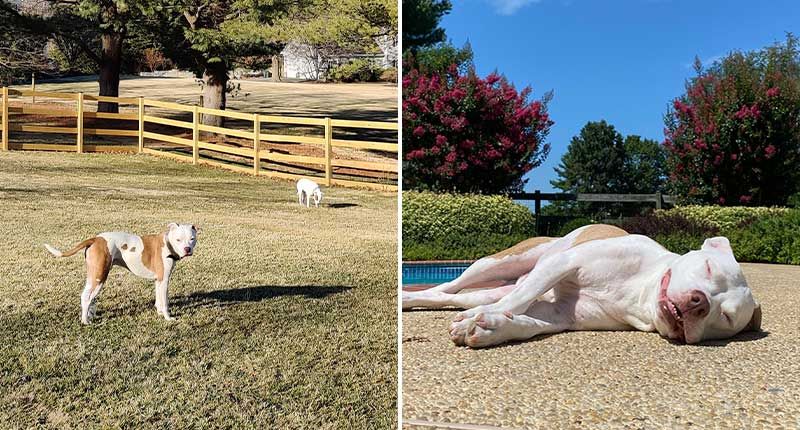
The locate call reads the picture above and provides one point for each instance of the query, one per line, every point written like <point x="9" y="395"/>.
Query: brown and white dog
<point x="151" y="257"/>
<point x="597" y="277"/>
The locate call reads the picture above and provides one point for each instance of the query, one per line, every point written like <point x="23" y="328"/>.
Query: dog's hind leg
<point x="438" y="299"/>
<point x="98" y="264"/>
<point x="488" y="272"/>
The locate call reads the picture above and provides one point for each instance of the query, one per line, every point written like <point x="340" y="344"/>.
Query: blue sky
<point x="618" y="60"/>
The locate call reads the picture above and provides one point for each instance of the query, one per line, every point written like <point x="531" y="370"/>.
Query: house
<point x="303" y="61"/>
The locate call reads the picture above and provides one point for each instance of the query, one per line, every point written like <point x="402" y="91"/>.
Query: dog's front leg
<point x="162" y="305"/>
<point x="546" y="275"/>
<point x="162" y="286"/>
<point x="494" y="328"/>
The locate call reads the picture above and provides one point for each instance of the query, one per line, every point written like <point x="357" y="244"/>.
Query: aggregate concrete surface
<point x="625" y="380"/>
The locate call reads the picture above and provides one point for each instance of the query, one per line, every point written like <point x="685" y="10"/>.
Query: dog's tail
<point x="83" y="245"/>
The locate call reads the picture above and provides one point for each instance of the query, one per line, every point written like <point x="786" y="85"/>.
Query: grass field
<point x="285" y="315"/>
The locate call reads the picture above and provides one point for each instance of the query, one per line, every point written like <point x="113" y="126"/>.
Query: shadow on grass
<point x="341" y="205"/>
<point x="253" y="294"/>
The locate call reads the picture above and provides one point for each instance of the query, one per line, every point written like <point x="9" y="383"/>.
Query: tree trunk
<point x="110" y="66"/>
<point x="215" y="83"/>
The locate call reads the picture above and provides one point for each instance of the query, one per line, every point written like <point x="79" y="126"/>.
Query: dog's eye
<point x="727" y="318"/>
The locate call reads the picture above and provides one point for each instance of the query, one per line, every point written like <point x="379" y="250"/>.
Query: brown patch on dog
<point x="124" y="246"/>
<point x="523" y="247"/>
<point x="597" y="232"/>
<point x="98" y="263"/>
<point x="151" y="254"/>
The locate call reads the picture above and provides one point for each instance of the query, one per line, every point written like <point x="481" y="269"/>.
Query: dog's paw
<point x="462" y="328"/>
<point x="481" y="330"/>
<point x="170" y="318"/>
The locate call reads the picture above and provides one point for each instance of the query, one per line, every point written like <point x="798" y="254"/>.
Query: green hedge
<point x="724" y="217"/>
<point x="455" y="226"/>
<point x="358" y="70"/>
<point x="759" y="235"/>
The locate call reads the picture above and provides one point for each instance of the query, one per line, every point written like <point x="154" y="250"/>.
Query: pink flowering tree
<point x="734" y="137"/>
<point x="464" y="133"/>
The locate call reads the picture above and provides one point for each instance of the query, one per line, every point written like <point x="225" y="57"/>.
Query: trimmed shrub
<point x="721" y="217"/>
<point x="356" y="71"/>
<point x="668" y="223"/>
<point x="454" y="226"/>
<point x="429" y="217"/>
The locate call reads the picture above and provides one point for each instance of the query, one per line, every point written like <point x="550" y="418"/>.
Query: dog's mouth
<point x="672" y="315"/>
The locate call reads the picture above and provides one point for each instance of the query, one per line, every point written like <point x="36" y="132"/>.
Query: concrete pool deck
<point x="630" y="380"/>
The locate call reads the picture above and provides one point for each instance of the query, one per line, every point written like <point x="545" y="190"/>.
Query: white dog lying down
<point x="597" y="277"/>
<point x="150" y="257"/>
<point x="309" y="189"/>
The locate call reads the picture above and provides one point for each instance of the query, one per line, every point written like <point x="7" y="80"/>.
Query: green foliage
<point x="593" y="161"/>
<point x="573" y="224"/>
<point x="769" y="239"/>
<point x="438" y="58"/>
<point x="644" y="165"/>
<point x="359" y="70"/>
<point x="428" y="217"/>
<point x="724" y="218"/>
<point x="470" y="247"/>
<point x="71" y="60"/>
<point x="458" y="226"/>
<point x="601" y="160"/>
<point x="421" y="22"/>
<point x="389" y="75"/>
<point x="734" y="135"/>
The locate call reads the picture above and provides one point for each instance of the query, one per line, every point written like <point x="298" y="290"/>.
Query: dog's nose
<point x="696" y="304"/>
<point x="187" y="250"/>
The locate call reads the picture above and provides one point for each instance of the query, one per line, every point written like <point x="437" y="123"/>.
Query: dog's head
<point x="317" y="196"/>
<point x="704" y="295"/>
<point x="182" y="238"/>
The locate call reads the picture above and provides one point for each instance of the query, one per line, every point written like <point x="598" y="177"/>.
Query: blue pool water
<point x="436" y="273"/>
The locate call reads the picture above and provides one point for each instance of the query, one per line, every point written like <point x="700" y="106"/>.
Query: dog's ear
<point x="755" y="320"/>
<point x="172" y="226"/>
<point x="196" y="229"/>
<point x="719" y="243"/>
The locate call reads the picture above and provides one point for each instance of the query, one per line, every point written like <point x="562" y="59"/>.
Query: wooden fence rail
<point x="73" y="105"/>
<point x="658" y="199"/>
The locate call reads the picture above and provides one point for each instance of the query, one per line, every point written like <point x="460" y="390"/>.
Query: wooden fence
<point x="252" y="147"/>
<point x="658" y="199"/>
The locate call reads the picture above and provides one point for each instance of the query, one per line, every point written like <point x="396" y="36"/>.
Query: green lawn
<point x="286" y="315"/>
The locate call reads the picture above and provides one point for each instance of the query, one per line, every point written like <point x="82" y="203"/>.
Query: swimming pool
<point x="431" y="273"/>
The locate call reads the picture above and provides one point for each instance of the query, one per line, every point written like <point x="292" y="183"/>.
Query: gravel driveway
<point x="628" y="380"/>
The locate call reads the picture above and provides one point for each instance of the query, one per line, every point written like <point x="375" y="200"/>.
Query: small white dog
<point x="309" y="189"/>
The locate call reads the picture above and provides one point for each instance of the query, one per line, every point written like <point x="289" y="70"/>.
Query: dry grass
<point x="286" y="316"/>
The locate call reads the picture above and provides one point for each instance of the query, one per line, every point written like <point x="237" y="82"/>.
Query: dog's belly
<point x="126" y="251"/>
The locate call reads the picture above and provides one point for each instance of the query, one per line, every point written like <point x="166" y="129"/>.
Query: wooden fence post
<point x="80" y="123"/>
<point x="195" y="135"/>
<point x="141" y="124"/>
<point x="658" y="200"/>
<point x="256" y="144"/>
<point x="328" y="151"/>
<point x="5" y="119"/>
